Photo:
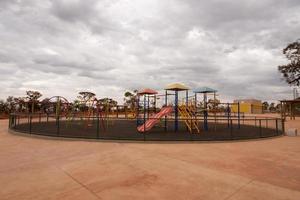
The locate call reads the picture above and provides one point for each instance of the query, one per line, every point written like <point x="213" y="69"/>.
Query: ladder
<point x="187" y="114"/>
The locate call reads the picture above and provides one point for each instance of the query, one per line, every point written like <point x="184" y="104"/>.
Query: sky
<point x="62" y="47"/>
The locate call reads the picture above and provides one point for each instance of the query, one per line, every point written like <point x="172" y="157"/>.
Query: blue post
<point x="205" y="112"/>
<point x="137" y="111"/>
<point x="239" y="117"/>
<point x="166" y="104"/>
<point x="187" y="98"/>
<point x="196" y="102"/>
<point x="176" y="111"/>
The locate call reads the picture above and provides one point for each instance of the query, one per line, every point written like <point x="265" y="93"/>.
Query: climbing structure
<point x="188" y="115"/>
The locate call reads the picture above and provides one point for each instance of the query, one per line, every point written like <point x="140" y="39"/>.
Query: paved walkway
<point x="36" y="168"/>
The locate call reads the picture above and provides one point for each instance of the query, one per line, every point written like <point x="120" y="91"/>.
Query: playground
<point x="39" y="168"/>
<point x="180" y="114"/>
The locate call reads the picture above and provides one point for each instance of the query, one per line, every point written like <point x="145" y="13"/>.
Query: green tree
<point x="85" y="99"/>
<point x="291" y="71"/>
<point x="272" y="107"/>
<point x="33" y="97"/>
<point x="107" y="103"/>
<point x="20" y="103"/>
<point x="130" y="99"/>
<point x="265" y="106"/>
<point x="2" y="107"/>
<point x="10" y="104"/>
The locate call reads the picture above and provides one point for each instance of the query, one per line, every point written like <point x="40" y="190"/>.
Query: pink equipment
<point x="155" y="119"/>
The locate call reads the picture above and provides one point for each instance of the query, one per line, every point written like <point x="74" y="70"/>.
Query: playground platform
<point x="40" y="168"/>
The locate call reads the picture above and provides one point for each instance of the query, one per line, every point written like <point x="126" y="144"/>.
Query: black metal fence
<point x="124" y="128"/>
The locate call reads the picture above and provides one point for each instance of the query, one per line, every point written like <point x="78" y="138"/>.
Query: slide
<point x="151" y="122"/>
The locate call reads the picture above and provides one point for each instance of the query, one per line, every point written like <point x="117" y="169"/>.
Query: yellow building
<point x="248" y="106"/>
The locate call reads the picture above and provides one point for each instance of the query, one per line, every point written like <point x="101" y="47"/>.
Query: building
<point x="248" y="106"/>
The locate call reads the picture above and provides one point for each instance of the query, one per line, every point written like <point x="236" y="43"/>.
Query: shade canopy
<point x="204" y="90"/>
<point x="291" y="101"/>
<point x="147" y="91"/>
<point x="176" y="87"/>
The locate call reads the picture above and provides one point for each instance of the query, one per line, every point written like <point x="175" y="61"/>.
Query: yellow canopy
<point x="176" y="87"/>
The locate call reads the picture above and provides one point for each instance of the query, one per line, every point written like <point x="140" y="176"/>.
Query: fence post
<point x="239" y="116"/>
<point x="277" y="127"/>
<point x="57" y="126"/>
<point x="30" y="124"/>
<point x="231" y="128"/>
<point x="97" y="126"/>
<point x="9" y="120"/>
<point x="260" y="129"/>
<point x="283" y="126"/>
<point x="40" y="118"/>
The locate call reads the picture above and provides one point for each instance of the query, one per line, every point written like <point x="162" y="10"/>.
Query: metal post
<point x="196" y="102"/>
<point x="117" y="111"/>
<point x="138" y="110"/>
<point x="97" y="126"/>
<point x="187" y="98"/>
<point x="260" y="128"/>
<point x="176" y="111"/>
<point x="144" y="113"/>
<point x="148" y="106"/>
<point x="57" y="125"/>
<point x="9" y="120"/>
<point x="231" y="128"/>
<point x="205" y="112"/>
<point x="283" y="126"/>
<point x="166" y="104"/>
<point x="239" y="117"/>
<point x="228" y="114"/>
<point x="277" y="127"/>
<point x="30" y="124"/>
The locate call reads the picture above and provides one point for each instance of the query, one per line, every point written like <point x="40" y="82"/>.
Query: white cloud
<point x="110" y="46"/>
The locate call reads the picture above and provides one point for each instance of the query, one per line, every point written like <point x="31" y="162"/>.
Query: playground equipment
<point x="205" y="91"/>
<point x="145" y="107"/>
<point x="190" y="115"/>
<point x="57" y="105"/>
<point x="191" y="123"/>
<point x="189" y="118"/>
<point x="155" y="119"/>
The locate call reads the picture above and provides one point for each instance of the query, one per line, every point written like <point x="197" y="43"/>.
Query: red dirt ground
<point x="41" y="168"/>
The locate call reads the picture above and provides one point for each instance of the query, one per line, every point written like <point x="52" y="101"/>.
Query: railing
<point x="122" y="128"/>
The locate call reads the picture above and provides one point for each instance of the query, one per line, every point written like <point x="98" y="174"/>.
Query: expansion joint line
<point x="78" y="182"/>
<point x="239" y="189"/>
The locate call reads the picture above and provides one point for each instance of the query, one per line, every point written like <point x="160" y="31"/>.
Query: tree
<point x="130" y="99"/>
<point x="107" y="103"/>
<point x="10" y="104"/>
<point x="86" y="96"/>
<point x="20" y="103"/>
<point x="291" y="71"/>
<point x="272" y="107"/>
<point x="33" y="97"/>
<point x="265" y="106"/>
<point x="85" y="100"/>
<point x="213" y="103"/>
<point x="2" y="107"/>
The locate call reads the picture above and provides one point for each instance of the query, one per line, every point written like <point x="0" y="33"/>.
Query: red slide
<point x="155" y="119"/>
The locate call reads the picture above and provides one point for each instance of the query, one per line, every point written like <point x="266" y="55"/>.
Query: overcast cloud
<point x="61" y="47"/>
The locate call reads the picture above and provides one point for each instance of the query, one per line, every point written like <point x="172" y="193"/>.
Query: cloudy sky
<point x="61" y="47"/>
